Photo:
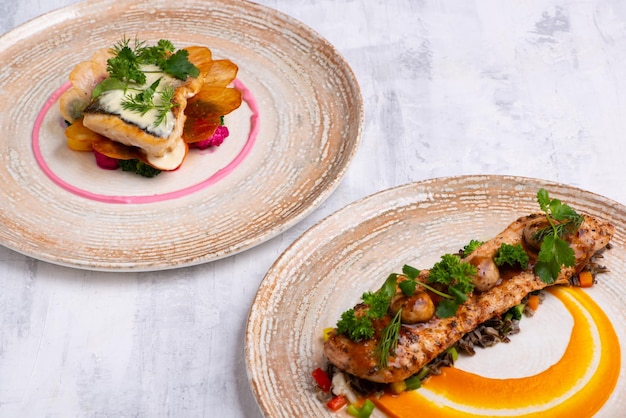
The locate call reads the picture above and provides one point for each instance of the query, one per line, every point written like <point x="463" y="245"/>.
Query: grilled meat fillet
<point x="495" y="293"/>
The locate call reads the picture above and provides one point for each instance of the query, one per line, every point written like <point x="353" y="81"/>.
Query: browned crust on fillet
<point x="420" y="344"/>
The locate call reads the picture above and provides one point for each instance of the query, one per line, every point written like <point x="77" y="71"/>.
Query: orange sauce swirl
<point x="578" y="384"/>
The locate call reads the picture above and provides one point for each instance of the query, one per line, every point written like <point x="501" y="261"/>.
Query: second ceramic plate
<point x="326" y="271"/>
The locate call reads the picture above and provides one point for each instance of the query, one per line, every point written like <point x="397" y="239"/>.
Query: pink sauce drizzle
<point x="219" y="175"/>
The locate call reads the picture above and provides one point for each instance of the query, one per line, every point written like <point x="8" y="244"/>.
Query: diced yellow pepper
<point x="327" y="332"/>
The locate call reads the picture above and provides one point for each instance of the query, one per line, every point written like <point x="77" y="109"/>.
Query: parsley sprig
<point x="458" y="276"/>
<point x="360" y="327"/>
<point x="555" y="251"/>
<point x="513" y="255"/>
<point x="471" y="246"/>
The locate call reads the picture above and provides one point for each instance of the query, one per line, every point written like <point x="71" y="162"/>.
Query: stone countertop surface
<point x="450" y="88"/>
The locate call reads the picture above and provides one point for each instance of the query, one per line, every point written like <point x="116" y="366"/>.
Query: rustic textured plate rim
<point x="51" y="19"/>
<point x="270" y="297"/>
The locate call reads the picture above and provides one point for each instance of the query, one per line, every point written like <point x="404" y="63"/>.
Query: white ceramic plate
<point x="310" y="117"/>
<point x="325" y="272"/>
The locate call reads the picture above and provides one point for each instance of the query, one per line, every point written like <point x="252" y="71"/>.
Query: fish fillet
<point x="421" y="343"/>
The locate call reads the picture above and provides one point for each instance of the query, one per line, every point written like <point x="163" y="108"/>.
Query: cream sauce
<point x="111" y="101"/>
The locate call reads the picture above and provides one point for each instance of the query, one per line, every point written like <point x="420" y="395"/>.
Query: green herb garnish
<point x="513" y="255"/>
<point x="360" y="327"/>
<point x="127" y="72"/>
<point x="138" y="167"/>
<point x="409" y="284"/>
<point x="389" y="339"/>
<point x="471" y="246"/>
<point x="127" y="62"/>
<point x="144" y="101"/>
<point x="555" y="251"/>
<point x="458" y="277"/>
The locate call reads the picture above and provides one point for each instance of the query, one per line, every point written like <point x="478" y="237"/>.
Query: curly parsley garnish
<point x="360" y="327"/>
<point x="458" y="277"/>
<point x="471" y="246"/>
<point x="555" y="251"/>
<point x="513" y="255"/>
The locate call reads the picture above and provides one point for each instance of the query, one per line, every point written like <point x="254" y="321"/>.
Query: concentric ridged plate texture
<point x="310" y="114"/>
<point x="327" y="269"/>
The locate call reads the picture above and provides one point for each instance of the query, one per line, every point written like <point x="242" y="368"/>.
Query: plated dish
<point x="290" y="142"/>
<point x="327" y="269"/>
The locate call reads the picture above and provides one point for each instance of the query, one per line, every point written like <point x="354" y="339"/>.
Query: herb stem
<point x="435" y="291"/>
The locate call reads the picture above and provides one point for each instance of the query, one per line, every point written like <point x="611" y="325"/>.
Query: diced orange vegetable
<point x="585" y="278"/>
<point x="533" y="302"/>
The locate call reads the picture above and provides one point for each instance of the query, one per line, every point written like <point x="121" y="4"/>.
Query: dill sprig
<point x="145" y="101"/>
<point x="389" y="339"/>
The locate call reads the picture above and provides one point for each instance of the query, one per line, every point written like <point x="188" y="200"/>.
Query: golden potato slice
<point x="221" y="73"/>
<point x="201" y="57"/>
<point x="116" y="150"/>
<point x="79" y="137"/>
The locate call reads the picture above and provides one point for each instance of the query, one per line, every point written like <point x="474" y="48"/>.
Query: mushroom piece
<point x="416" y="308"/>
<point x="531" y="232"/>
<point x="487" y="275"/>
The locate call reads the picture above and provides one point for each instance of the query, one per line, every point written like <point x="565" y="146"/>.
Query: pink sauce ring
<point x="219" y="175"/>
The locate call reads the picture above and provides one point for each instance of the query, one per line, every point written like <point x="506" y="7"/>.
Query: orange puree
<point x="577" y="385"/>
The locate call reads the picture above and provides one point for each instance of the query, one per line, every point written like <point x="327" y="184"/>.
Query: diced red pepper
<point x="322" y="379"/>
<point x="337" y="402"/>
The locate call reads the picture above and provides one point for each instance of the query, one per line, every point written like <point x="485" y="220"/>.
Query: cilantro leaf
<point x="178" y="65"/>
<point x="446" y="308"/>
<point x="459" y="295"/>
<point x="410" y="272"/>
<point x="408" y="286"/>
<point x="513" y="255"/>
<point x="107" y="84"/>
<point x="555" y="251"/>
<point x="388" y="288"/>
<point x="543" y="199"/>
